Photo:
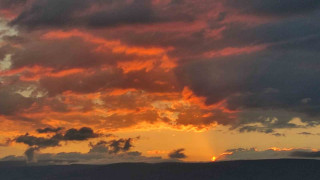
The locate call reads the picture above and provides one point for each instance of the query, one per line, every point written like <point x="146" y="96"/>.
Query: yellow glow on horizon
<point x="213" y="159"/>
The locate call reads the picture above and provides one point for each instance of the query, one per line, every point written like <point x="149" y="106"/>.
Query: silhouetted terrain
<point x="284" y="169"/>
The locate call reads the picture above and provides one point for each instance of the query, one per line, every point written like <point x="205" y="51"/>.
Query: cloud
<point x="120" y="145"/>
<point x="254" y="83"/>
<point x="177" y="154"/>
<point x="99" y="147"/>
<point x="49" y="130"/>
<point x="278" y="134"/>
<point x="38" y="143"/>
<point x="30" y="154"/>
<point x="113" y="146"/>
<point x="308" y="133"/>
<point x="50" y="13"/>
<point x="253" y="64"/>
<point x="102" y="152"/>
<point x="86" y="158"/>
<point x="11" y="102"/>
<point x="306" y="154"/>
<point x="272" y="153"/>
<point x="274" y="8"/>
<point x="4" y="4"/>
<point x="305" y="133"/>
<point x="83" y="133"/>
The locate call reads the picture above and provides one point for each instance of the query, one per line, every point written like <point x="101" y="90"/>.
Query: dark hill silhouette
<point x="282" y="169"/>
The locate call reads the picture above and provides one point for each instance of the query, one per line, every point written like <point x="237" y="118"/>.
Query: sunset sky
<point x="103" y="81"/>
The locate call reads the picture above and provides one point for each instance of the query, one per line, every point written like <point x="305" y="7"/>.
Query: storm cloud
<point x="50" y="13"/>
<point x="249" y="65"/>
<point x="274" y="8"/>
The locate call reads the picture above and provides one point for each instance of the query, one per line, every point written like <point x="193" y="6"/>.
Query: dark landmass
<point x="284" y="169"/>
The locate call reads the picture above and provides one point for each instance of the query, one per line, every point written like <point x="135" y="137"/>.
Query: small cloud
<point x="279" y="134"/>
<point x="78" y="135"/>
<point x="177" y="154"/>
<point x="306" y="133"/>
<point x="49" y="130"/>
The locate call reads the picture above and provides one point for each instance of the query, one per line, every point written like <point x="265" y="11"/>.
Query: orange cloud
<point x="234" y="51"/>
<point x="116" y="46"/>
<point x="36" y="72"/>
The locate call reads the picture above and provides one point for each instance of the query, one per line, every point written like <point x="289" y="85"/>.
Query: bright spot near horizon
<point x="213" y="159"/>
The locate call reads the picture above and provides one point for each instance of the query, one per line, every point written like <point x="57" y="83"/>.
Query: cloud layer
<point x="111" y="65"/>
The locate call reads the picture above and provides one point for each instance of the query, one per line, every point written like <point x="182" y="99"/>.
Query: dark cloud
<point x="12" y="102"/>
<point x="83" y="133"/>
<point x="30" y="154"/>
<point x="84" y="158"/>
<point x="305" y="154"/>
<point x="269" y="80"/>
<point x="4" y="4"/>
<point x="102" y="152"/>
<point x="177" y="154"/>
<point x="272" y="153"/>
<point x="255" y="129"/>
<point x="278" y="134"/>
<point x="99" y="147"/>
<point x="49" y="130"/>
<point x="61" y="57"/>
<point x="113" y="146"/>
<point x="120" y="145"/>
<point x="306" y="133"/>
<point x="59" y="13"/>
<point x="38" y="143"/>
<point x="137" y="12"/>
<point x="267" y="86"/>
<point x="274" y="8"/>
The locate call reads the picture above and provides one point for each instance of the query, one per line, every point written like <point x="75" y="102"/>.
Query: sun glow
<point x="213" y="159"/>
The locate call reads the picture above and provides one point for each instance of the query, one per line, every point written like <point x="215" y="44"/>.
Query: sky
<point x="104" y="81"/>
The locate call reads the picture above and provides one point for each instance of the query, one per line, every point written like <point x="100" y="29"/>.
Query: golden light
<point x="213" y="159"/>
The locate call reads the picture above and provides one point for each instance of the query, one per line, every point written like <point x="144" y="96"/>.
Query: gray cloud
<point x="12" y="102"/>
<point x="177" y="154"/>
<point x="85" y="158"/>
<point x="38" y="143"/>
<point x="102" y="152"/>
<point x="49" y="130"/>
<point x="83" y="133"/>
<point x="306" y="154"/>
<point x="30" y="154"/>
<point x="269" y="87"/>
<point x="274" y="8"/>
<point x="4" y="4"/>
<point x="308" y="133"/>
<point x="99" y="147"/>
<point x="120" y="145"/>
<point x="278" y="134"/>
<point x="276" y="79"/>
<point x="59" y="13"/>
<point x="276" y="153"/>
<point x="115" y="146"/>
